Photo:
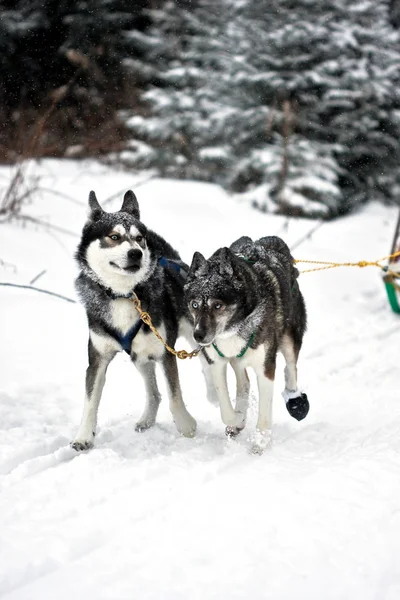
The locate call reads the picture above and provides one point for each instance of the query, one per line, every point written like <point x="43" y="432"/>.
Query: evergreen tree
<point x="294" y="103"/>
<point x="394" y="13"/>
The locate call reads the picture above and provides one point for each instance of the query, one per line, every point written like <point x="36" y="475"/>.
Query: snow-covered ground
<point x="157" y="516"/>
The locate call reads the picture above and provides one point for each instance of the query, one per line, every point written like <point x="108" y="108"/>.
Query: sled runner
<point x="392" y="276"/>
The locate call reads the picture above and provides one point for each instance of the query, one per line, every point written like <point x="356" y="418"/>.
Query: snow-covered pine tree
<point x="294" y="103"/>
<point x="182" y="54"/>
<point x="394" y="13"/>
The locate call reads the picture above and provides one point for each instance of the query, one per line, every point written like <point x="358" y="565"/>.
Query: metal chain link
<point x="182" y="354"/>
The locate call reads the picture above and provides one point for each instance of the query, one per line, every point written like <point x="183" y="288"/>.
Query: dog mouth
<point x="204" y="344"/>
<point x="132" y="268"/>
<point x="128" y="269"/>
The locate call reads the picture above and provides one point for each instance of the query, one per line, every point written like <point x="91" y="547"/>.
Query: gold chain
<point x="361" y="263"/>
<point x="147" y="320"/>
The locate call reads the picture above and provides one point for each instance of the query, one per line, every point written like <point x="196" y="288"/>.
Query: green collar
<point x="243" y="350"/>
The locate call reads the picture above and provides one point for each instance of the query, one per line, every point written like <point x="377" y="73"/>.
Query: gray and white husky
<point x="246" y="306"/>
<point x="117" y="255"/>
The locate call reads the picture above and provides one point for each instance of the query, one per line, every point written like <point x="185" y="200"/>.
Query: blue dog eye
<point x="195" y="305"/>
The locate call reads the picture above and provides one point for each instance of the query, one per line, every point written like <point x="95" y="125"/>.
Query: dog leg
<point x="265" y="381"/>
<point x="186" y="330"/>
<point x="229" y="416"/>
<point x="211" y="392"/>
<point x="242" y="396"/>
<point x="148" y="372"/>
<point x="296" y="402"/>
<point x="95" y="379"/>
<point x="185" y="423"/>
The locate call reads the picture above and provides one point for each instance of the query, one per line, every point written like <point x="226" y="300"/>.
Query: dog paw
<point x="232" y="432"/>
<point x="81" y="445"/>
<point x="235" y="420"/>
<point x="144" y="424"/>
<point x="298" y="407"/>
<point x="185" y="424"/>
<point x="261" y="441"/>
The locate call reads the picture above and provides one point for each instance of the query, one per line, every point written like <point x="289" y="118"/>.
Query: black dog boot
<point x="232" y="432"/>
<point x="298" y="407"/>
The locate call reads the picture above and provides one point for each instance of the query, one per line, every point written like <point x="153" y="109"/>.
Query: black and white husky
<point x="117" y="255"/>
<point x="246" y="305"/>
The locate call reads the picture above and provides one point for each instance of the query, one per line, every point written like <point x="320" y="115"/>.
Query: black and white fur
<point x="117" y="255"/>
<point x="249" y="289"/>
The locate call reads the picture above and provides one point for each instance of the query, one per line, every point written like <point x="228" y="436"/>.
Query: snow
<point x="157" y="516"/>
<point x="213" y="153"/>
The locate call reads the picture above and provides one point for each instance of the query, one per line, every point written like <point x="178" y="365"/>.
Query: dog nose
<point x="134" y="256"/>
<point x="199" y="334"/>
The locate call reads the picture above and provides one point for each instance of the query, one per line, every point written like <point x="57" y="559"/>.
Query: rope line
<point x="360" y="263"/>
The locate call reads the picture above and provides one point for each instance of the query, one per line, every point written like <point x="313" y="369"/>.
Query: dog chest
<point x="232" y="346"/>
<point x="123" y="314"/>
<point x="145" y="344"/>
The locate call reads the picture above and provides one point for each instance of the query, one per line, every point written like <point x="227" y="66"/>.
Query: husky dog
<point x="116" y="256"/>
<point x="246" y="305"/>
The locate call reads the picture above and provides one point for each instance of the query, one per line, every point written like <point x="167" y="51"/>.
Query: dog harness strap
<point x="206" y="356"/>
<point x="127" y="339"/>
<point x="243" y="350"/>
<point x="166" y="262"/>
<point x="115" y="296"/>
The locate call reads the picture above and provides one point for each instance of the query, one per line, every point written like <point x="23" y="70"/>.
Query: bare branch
<point x="308" y="235"/>
<point x="38" y="276"/>
<point x="35" y="289"/>
<point x="121" y="192"/>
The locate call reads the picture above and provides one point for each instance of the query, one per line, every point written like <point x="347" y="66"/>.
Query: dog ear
<point x="95" y="208"/>
<point x="198" y="263"/>
<point x="131" y="205"/>
<point x="225" y="262"/>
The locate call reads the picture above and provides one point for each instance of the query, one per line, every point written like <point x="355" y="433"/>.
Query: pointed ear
<point x="95" y="208"/>
<point x="131" y="205"/>
<point x="225" y="262"/>
<point x="198" y="262"/>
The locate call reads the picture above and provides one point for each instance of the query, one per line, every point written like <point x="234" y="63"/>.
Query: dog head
<point x="215" y="292"/>
<point x="113" y="245"/>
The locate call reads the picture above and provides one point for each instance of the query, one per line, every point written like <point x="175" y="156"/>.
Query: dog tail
<point x="276" y="244"/>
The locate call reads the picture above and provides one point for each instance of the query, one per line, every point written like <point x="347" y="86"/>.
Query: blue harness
<point x="127" y="339"/>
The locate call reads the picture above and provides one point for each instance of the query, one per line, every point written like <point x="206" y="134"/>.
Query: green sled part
<point x="392" y="295"/>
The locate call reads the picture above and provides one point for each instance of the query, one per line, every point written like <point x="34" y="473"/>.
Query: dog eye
<point x="195" y="305"/>
<point x="139" y="238"/>
<point x="218" y="306"/>
<point x="114" y="237"/>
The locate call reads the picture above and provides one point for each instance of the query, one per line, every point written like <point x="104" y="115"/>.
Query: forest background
<point x="292" y="105"/>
